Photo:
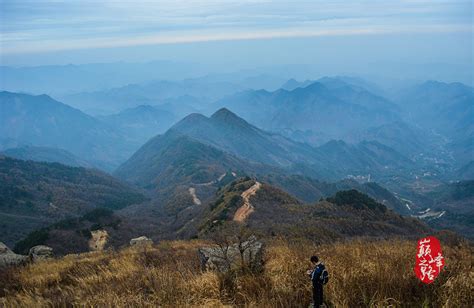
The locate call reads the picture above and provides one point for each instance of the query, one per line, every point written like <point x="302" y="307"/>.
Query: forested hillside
<point x="33" y="194"/>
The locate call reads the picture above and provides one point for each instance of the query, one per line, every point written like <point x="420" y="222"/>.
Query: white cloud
<point x="37" y="26"/>
<point x="192" y="37"/>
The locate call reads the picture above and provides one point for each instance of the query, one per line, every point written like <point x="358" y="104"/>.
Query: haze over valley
<point x="414" y="142"/>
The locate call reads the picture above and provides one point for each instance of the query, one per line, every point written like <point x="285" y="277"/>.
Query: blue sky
<point x="38" y="31"/>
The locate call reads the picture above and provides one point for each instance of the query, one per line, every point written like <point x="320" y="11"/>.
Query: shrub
<point x="38" y="237"/>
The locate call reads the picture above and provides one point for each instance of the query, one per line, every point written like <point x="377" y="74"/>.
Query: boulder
<point x="98" y="240"/>
<point x="141" y="241"/>
<point x="248" y="254"/>
<point x="40" y="252"/>
<point x="9" y="258"/>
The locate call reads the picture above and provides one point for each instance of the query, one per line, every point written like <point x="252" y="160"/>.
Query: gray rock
<point x="40" y="252"/>
<point x="98" y="240"/>
<point x="9" y="258"/>
<point x="141" y="241"/>
<point x="248" y="254"/>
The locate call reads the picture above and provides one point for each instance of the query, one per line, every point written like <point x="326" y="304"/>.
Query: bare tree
<point x="234" y="238"/>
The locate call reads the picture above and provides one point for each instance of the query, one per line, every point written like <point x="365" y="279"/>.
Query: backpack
<point x="324" y="277"/>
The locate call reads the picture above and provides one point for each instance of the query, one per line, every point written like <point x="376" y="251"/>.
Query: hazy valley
<point x="308" y="139"/>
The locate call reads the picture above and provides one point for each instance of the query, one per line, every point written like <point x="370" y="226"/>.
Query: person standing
<point x="319" y="277"/>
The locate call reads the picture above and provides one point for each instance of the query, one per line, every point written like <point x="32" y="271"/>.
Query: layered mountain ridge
<point x="229" y="133"/>
<point x="42" y="121"/>
<point x="302" y="145"/>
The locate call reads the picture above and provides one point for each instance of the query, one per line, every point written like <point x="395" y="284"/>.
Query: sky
<point x="237" y="33"/>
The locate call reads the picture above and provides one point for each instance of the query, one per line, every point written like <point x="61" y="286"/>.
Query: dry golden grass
<point x="376" y="274"/>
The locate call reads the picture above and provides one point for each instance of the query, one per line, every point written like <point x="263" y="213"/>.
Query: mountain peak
<point x="223" y="113"/>
<point x="190" y="120"/>
<point x="193" y="116"/>
<point x="290" y="84"/>
<point x="227" y="116"/>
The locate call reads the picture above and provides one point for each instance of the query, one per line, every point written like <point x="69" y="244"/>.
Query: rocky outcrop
<point x="98" y="240"/>
<point x="36" y="253"/>
<point x="141" y="241"/>
<point x="248" y="254"/>
<point x="9" y="258"/>
<point x="40" y="252"/>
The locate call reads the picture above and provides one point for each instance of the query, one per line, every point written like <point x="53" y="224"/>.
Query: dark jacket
<point x="316" y="274"/>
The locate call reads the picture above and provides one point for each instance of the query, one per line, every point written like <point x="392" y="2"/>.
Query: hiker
<point x="319" y="276"/>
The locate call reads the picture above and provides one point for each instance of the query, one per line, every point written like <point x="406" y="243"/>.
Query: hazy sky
<point x="245" y="33"/>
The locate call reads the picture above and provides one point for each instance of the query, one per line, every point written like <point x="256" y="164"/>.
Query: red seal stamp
<point x="429" y="259"/>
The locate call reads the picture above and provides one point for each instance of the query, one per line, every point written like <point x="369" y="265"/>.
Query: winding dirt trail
<point x="247" y="208"/>
<point x="215" y="181"/>
<point x="192" y="192"/>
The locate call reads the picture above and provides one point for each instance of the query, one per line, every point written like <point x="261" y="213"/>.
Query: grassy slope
<point x="362" y="274"/>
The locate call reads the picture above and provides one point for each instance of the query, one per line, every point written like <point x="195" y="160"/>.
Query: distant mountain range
<point x="44" y="129"/>
<point x="152" y="93"/>
<point x="339" y="108"/>
<point x="448" y="110"/>
<point x="227" y="133"/>
<point x="45" y="154"/>
<point x="43" y="121"/>
<point x="407" y="139"/>
<point x="140" y="123"/>
<point x="356" y="82"/>
<point x="304" y="144"/>
<point x="329" y="108"/>
<point x="433" y="119"/>
<point x="63" y="79"/>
